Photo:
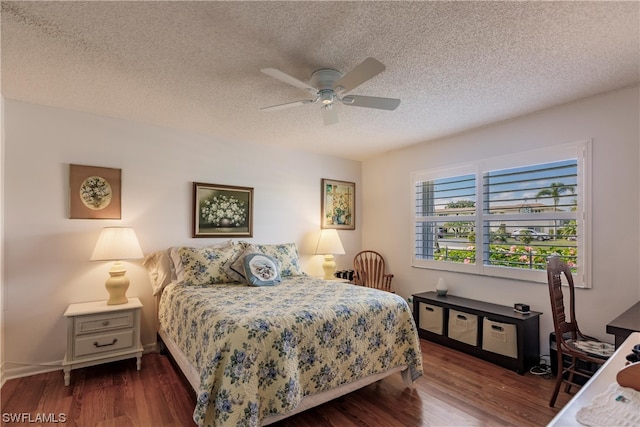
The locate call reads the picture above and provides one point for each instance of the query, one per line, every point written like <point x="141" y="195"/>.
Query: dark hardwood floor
<point x="456" y="390"/>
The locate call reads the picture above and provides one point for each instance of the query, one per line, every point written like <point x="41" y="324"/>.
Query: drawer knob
<point x="105" y="323"/>
<point x="95" y="343"/>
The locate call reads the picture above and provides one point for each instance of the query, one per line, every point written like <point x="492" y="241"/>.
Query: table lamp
<point x="116" y="244"/>
<point x="329" y="244"/>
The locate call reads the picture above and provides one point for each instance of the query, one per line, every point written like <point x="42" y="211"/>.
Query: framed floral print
<point x="222" y="211"/>
<point x="94" y="192"/>
<point x="338" y="204"/>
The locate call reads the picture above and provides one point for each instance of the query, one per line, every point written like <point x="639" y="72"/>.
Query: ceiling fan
<point x="328" y="86"/>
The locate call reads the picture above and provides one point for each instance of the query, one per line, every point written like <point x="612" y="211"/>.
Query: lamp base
<point x="117" y="285"/>
<point x="329" y="267"/>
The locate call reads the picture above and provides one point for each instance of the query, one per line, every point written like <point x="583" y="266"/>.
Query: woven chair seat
<point x="599" y="349"/>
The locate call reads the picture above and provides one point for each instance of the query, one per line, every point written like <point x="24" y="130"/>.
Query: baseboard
<point x="26" y="370"/>
<point x="150" y="348"/>
<point x="21" y="370"/>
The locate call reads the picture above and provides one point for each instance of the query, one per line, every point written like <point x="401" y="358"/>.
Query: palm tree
<point x="555" y="191"/>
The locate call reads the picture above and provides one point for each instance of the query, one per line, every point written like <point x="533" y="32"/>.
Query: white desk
<point x="605" y="376"/>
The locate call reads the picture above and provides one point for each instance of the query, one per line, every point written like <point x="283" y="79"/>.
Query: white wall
<point x="46" y="257"/>
<point x="611" y="121"/>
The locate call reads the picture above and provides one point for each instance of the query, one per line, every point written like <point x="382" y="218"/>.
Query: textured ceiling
<point x="196" y="65"/>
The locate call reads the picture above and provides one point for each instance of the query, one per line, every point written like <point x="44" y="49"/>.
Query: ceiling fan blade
<point x="364" y="71"/>
<point x="287" y="105"/>
<point x="329" y="115"/>
<point x="371" y="102"/>
<point x="277" y="74"/>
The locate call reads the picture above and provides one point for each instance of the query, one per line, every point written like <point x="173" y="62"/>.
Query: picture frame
<point x="338" y="206"/>
<point x="222" y="210"/>
<point x="94" y="192"/>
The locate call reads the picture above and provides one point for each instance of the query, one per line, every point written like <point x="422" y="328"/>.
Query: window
<point x="504" y="216"/>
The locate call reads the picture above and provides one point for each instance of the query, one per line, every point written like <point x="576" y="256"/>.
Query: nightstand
<point x="100" y="333"/>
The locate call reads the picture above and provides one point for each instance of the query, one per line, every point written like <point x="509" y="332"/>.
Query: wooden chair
<point x="570" y="342"/>
<point x="369" y="271"/>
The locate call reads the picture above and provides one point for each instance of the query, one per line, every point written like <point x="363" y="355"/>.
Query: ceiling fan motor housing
<point x="325" y="78"/>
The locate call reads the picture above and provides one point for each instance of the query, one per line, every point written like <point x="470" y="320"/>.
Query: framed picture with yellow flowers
<point x="338" y="204"/>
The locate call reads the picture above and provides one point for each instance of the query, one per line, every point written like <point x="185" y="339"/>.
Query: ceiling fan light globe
<point x="326" y="97"/>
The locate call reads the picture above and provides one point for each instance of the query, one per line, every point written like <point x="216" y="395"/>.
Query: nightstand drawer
<point x="97" y="344"/>
<point x="103" y="322"/>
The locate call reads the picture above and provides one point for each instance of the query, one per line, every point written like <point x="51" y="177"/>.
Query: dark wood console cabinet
<point x="522" y="329"/>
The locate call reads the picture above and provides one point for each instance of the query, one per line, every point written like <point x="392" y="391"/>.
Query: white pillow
<point x="158" y="265"/>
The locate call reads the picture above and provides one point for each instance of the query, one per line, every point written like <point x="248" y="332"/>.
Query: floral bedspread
<point x="260" y="350"/>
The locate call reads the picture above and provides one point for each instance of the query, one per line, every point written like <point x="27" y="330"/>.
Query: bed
<point x="257" y="353"/>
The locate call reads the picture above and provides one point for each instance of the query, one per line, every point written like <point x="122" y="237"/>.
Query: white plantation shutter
<point x="504" y="216"/>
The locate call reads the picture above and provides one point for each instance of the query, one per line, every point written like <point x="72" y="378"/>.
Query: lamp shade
<point x="117" y="243"/>
<point x="329" y="243"/>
